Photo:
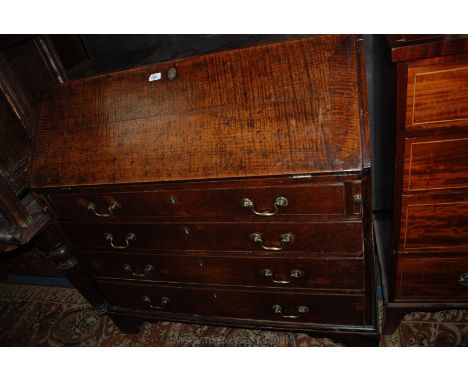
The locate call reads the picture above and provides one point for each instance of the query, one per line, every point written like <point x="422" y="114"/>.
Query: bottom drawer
<point x="435" y="279"/>
<point x="332" y="309"/>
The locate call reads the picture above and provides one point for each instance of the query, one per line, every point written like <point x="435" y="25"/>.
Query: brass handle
<point x="163" y="301"/>
<point x="147" y="270"/>
<point x="294" y="274"/>
<point x="172" y="74"/>
<point x="113" y="206"/>
<point x="285" y="238"/>
<point x="280" y="201"/>
<point x="278" y="309"/>
<point x="463" y="279"/>
<point x="130" y="236"/>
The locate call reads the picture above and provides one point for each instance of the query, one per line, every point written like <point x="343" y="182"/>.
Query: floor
<point x="34" y="315"/>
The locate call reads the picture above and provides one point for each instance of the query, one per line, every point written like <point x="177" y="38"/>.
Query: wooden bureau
<point x="424" y="248"/>
<point x="231" y="188"/>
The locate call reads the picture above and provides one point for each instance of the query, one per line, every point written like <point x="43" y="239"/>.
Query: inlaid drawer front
<point x="335" y="199"/>
<point x="437" y="223"/>
<point x="277" y="271"/>
<point x="332" y="237"/>
<point x="435" y="163"/>
<point x="433" y="279"/>
<point x="223" y="302"/>
<point x="437" y="95"/>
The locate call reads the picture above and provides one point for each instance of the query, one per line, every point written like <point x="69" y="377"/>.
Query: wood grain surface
<point x="438" y="95"/>
<point x="324" y="238"/>
<point x="436" y="162"/>
<point x="236" y="269"/>
<point x="312" y="200"/>
<point x="322" y="308"/>
<point x="410" y="47"/>
<point x="432" y="279"/>
<point x="284" y="108"/>
<point x="438" y="222"/>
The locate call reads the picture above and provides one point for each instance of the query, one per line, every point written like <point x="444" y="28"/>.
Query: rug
<point x="58" y="316"/>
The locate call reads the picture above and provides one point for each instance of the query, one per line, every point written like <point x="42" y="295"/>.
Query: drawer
<point x="436" y="163"/>
<point x="274" y="271"/>
<point x="437" y="95"/>
<point x="263" y="202"/>
<point x="434" y="222"/>
<point x="332" y="237"/>
<point x="438" y="278"/>
<point x="223" y="302"/>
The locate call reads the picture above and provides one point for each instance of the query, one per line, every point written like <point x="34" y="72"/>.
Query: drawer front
<point x="436" y="163"/>
<point x="438" y="222"/>
<point x="437" y="95"/>
<point x="263" y="202"/>
<point x="332" y="237"/>
<point x="274" y="271"/>
<point x="438" y="278"/>
<point x="223" y="302"/>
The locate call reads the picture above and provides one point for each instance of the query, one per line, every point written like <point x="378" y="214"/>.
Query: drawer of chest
<point x="436" y="279"/>
<point x="436" y="163"/>
<point x="332" y="237"/>
<point x="437" y="95"/>
<point x="223" y="302"/>
<point x="336" y="199"/>
<point x="436" y="222"/>
<point x="271" y="271"/>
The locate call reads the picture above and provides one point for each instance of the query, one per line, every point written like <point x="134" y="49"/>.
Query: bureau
<point x="423" y="245"/>
<point x="231" y="189"/>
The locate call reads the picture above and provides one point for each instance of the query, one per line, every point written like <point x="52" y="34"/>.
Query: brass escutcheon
<point x="172" y="73"/>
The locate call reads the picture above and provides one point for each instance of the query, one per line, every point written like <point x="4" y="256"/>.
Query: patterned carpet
<point x="59" y="316"/>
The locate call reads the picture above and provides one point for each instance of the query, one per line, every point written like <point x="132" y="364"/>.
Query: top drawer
<point x="337" y="200"/>
<point x="437" y="95"/>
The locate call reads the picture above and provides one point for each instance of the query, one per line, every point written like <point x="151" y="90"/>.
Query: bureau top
<point x="285" y="108"/>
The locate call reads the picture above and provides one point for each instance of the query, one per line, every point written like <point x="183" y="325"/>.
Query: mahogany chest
<point x="424" y="247"/>
<point x="231" y="188"/>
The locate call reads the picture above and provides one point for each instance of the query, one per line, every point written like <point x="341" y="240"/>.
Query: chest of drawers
<point x="425" y="257"/>
<point x="230" y="188"/>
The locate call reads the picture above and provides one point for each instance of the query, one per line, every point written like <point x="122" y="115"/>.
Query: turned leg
<point x="49" y="240"/>
<point x="127" y="325"/>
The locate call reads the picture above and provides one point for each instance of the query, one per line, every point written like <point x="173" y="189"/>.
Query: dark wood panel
<point x="286" y="108"/>
<point x="334" y="237"/>
<point x="438" y="95"/>
<point x="438" y="278"/>
<point x="321" y="308"/>
<point x="14" y="142"/>
<point x="272" y="271"/>
<point x="438" y="222"/>
<point x="407" y="47"/>
<point x="214" y="202"/>
<point x="437" y="162"/>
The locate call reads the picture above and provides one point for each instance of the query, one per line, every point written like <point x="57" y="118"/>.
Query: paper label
<point x="154" y="77"/>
